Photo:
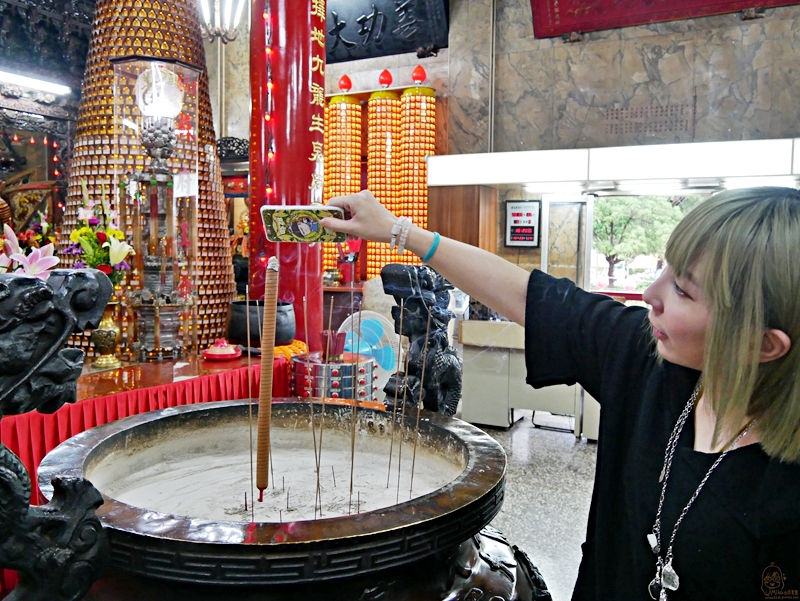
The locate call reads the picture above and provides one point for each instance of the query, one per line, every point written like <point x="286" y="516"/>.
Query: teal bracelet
<point x="433" y="248"/>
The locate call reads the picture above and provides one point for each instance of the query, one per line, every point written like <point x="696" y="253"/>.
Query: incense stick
<point x="402" y="425"/>
<point x="311" y="381"/>
<point x="394" y="407"/>
<point x="326" y="392"/>
<point x="265" y="392"/>
<point x="419" y="405"/>
<point x="354" y="412"/>
<point x="258" y="320"/>
<point x="250" y="405"/>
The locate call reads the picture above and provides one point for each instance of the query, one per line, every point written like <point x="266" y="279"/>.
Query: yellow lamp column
<point x="383" y="166"/>
<point x="342" y="156"/>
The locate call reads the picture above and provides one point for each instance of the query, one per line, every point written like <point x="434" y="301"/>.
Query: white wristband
<point x="395" y="231"/>
<point x="401" y="245"/>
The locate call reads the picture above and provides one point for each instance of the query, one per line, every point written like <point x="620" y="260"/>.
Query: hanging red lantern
<point x="418" y="75"/>
<point x="385" y="78"/>
<point x="345" y="84"/>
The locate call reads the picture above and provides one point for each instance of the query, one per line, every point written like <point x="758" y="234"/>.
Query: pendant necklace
<point x="666" y="577"/>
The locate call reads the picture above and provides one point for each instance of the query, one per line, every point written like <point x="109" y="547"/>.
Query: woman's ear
<point x="774" y="345"/>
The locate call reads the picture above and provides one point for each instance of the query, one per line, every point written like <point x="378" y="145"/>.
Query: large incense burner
<point x="362" y="534"/>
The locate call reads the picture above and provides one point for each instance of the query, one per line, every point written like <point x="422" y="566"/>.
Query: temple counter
<point x="494" y="381"/>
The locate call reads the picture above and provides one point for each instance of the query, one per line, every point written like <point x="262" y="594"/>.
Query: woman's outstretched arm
<point x="493" y="281"/>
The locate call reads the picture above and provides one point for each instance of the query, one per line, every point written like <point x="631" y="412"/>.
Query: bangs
<point x="731" y="230"/>
<point x="690" y="239"/>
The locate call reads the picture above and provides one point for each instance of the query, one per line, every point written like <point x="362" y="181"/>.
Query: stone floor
<point x="548" y="491"/>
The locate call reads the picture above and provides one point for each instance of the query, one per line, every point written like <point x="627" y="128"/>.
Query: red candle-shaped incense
<point x="152" y="246"/>
<point x="265" y="389"/>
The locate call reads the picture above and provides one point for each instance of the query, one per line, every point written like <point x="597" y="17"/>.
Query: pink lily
<point x="112" y="218"/>
<point x="38" y="263"/>
<point x="5" y="263"/>
<point x="10" y="244"/>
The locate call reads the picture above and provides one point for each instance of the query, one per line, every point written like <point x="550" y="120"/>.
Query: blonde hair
<point x="750" y="243"/>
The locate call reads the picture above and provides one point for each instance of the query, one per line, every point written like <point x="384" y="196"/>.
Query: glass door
<point x="566" y="231"/>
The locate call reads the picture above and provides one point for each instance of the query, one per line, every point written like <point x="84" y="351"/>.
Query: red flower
<point x="101" y="237"/>
<point x="106" y="269"/>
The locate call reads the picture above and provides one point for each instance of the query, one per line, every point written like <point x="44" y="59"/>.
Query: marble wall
<point x="709" y="79"/>
<point x="229" y="83"/>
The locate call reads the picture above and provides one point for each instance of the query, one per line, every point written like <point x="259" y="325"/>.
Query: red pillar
<point x="287" y="83"/>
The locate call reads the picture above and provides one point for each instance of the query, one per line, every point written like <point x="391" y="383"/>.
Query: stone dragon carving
<point x="57" y="549"/>
<point x="424" y="293"/>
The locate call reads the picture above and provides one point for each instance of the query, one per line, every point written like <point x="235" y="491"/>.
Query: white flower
<point x="117" y="250"/>
<point x="85" y="214"/>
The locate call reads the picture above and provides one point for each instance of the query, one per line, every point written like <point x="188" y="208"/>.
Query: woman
<point x="697" y="488"/>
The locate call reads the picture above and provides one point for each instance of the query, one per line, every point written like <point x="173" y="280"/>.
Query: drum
<point x="350" y="376"/>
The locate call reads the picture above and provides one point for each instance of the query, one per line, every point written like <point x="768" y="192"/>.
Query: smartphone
<point x="300" y="223"/>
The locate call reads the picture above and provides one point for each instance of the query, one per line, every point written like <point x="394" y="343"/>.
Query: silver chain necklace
<point x="666" y="577"/>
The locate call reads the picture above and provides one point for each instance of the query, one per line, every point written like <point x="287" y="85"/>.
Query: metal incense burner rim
<point x="186" y="549"/>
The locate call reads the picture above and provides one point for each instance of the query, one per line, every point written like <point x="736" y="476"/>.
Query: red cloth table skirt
<point x="32" y="435"/>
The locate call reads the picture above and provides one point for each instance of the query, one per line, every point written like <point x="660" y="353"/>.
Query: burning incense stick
<point x="265" y="392"/>
<point x="325" y="393"/>
<point x="258" y="320"/>
<point x="311" y="380"/>
<point x="394" y="407"/>
<point x="354" y="412"/>
<point x="250" y="406"/>
<point x="419" y="405"/>
<point x="402" y="424"/>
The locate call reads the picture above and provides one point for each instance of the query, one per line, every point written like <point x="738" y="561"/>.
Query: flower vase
<point x="105" y="339"/>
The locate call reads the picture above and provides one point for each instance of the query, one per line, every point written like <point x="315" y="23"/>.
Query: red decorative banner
<point x="557" y="17"/>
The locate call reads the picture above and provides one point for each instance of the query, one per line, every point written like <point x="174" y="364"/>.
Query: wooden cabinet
<point x="494" y="381"/>
<point x="464" y="213"/>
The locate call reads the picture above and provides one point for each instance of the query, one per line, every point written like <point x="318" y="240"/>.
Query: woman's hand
<point x="369" y="219"/>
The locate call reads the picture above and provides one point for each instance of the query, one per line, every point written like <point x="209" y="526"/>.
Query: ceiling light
<point x="34" y="84"/>
<point x="652" y="187"/>
<point x="735" y="183"/>
<point x="223" y="21"/>
<point x="555" y="188"/>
